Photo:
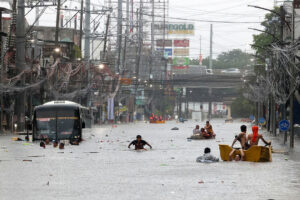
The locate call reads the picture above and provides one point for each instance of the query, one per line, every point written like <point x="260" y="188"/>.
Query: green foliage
<point x="166" y="105"/>
<point x="263" y="40"/>
<point x="242" y="107"/>
<point x="235" y="58"/>
<point x="194" y="62"/>
<point x="76" y="53"/>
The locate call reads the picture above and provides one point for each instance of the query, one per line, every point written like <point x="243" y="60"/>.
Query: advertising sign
<point x="181" y="29"/>
<point x="179" y="61"/>
<point x="167" y="53"/>
<point x="175" y="29"/>
<point x="160" y="43"/>
<point x="182" y="43"/>
<point x="179" y="67"/>
<point x="181" y="52"/>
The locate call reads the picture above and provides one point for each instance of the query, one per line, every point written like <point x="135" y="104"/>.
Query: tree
<point x="242" y="107"/>
<point x="235" y="58"/>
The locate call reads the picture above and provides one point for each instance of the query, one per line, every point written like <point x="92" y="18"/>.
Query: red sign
<point x="180" y="67"/>
<point x="166" y="43"/>
<point x="181" y="43"/>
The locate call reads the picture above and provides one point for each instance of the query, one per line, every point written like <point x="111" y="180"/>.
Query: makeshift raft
<point x="157" y="121"/>
<point x="199" y="137"/>
<point x="253" y="154"/>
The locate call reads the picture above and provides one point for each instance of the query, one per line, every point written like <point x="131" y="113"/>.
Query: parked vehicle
<point x="209" y="72"/>
<point x="231" y="71"/>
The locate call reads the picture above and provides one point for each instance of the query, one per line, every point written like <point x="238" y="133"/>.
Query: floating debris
<point x="38" y="156"/>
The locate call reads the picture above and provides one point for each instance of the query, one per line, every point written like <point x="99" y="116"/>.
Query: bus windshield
<point x="57" y="122"/>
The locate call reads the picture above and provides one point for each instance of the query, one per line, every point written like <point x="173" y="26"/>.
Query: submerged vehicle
<point x="60" y="120"/>
<point x="253" y="154"/>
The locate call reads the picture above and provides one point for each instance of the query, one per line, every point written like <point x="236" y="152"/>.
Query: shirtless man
<point x="244" y="144"/>
<point x="254" y="137"/>
<point x="208" y="128"/>
<point x="242" y="138"/>
<point x="139" y="143"/>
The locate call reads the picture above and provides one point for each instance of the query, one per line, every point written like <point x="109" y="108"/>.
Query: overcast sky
<point x="226" y="36"/>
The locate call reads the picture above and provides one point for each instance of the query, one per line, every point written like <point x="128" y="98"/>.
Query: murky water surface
<point x="102" y="167"/>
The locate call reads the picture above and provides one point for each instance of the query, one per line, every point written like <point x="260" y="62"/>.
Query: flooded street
<point x="102" y="167"/>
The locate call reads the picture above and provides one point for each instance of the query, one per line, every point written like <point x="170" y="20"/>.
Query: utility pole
<point x="282" y="106"/>
<point x="20" y="62"/>
<point x="94" y="25"/>
<point x="80" y="26"/>
<point x="152" y="39"/>
<point x="126" y="37"/>
<point x="1" y="73"/>
<point x="87" y="30"/>
<point x="200" y="56"/>
<point x="57" y="23"/>
<point x="211" y="47"/>
<point x="140" y="42"/>
<point x="119" y="36"/>
<point x="292" y="136"/>
<point x="164" y="37"/>
<point x="37" y="12"/>
<point x="105" y="38"/>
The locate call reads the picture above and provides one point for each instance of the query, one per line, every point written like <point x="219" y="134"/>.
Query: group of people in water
<point x="246" y="142"/>
<point x="155" y="118"/>
<point x="206" y="132"/>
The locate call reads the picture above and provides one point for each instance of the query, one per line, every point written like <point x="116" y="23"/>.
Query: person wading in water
<point x="139" y="143"/>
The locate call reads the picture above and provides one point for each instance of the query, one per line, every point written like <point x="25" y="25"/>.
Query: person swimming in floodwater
<point x="207" y="157"/>
<point x="139" y="143"/>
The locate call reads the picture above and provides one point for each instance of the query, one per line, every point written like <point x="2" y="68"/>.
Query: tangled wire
<point x="282" y="77"/>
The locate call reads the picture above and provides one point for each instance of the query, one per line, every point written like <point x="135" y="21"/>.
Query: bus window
<point x="46" y="124"/>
